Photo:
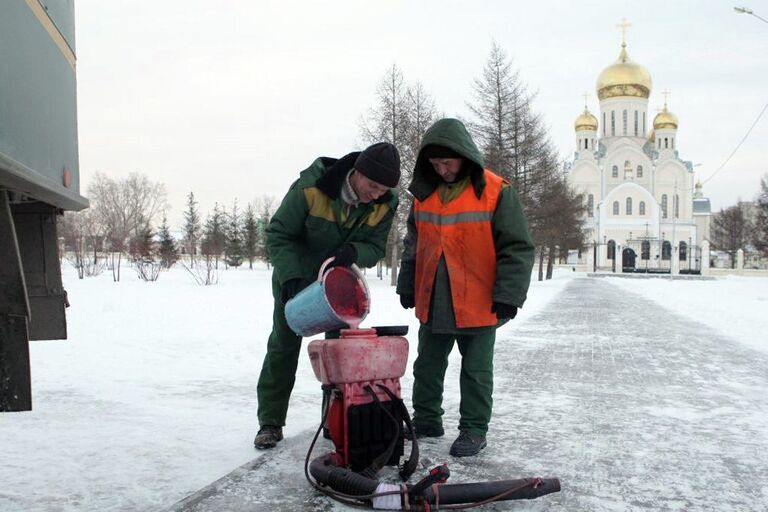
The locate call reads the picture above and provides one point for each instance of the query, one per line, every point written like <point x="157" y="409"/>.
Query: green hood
<point x="449" y="133"/>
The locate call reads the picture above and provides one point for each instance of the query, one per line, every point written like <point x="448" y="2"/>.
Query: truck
<point x="39" y="180"/>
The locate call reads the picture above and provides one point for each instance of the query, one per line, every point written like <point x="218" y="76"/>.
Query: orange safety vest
<point x="461" y="230"/>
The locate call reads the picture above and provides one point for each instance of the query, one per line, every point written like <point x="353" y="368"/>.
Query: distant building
<point x="644" y="213"/>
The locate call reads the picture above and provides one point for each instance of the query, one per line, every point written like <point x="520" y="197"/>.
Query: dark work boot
<point x="422" y="431"/>
<point x="268" y="437"/>
<point x="467" y="444"/>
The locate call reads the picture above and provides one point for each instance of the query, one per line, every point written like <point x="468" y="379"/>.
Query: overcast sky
<point x="231" y="99"/>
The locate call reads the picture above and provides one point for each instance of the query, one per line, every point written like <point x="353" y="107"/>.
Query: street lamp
<point x="747" y="10"/>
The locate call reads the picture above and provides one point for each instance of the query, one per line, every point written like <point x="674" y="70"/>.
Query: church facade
<point x="644" y="213"/>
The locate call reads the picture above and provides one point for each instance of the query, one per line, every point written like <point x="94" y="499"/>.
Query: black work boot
<point x="421" y="431"/>
<point x="467" y="444"/>
<point x="268" y="437"/>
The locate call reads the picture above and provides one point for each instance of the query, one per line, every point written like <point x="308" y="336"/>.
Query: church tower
<point x="665" y="129"/>
<point x="641" y="213"/>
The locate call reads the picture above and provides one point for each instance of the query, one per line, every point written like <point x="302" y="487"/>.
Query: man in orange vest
<point x="466" y="268"/>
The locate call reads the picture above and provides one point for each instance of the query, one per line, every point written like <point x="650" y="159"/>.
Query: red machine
<point x="362" y="371"/>
<point x="366" y="420"/>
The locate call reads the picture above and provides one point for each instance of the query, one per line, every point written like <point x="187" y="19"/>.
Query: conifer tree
<point x="192" y="227"/>
<point x="213" y="238"/>
<point x="167" y="249"/>
<point x="233" y="239"/>
<point x="250" y="235"/>
<point x="760" y="238"/>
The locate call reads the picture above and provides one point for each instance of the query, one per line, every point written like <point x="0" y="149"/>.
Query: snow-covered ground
<point x="154" y="394"/>
<point x="734" y="306"/>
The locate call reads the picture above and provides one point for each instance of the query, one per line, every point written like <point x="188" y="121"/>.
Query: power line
<point x="738" y="145"/>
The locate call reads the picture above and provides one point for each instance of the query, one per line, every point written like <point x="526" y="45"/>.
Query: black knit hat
<point x="380" y="163"/>
<point x="435" y="151"/>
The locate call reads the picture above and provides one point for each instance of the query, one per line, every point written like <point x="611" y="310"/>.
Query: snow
<point x="154" y="394"/>
<point x="734" y="306"/>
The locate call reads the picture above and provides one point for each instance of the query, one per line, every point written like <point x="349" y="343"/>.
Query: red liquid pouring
<point x="346" y="295"/>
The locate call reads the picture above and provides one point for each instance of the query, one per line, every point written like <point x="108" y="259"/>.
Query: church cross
<point x="666" y="95"/>
<point x="624" y="25"/>
<point x="586" y="97"/>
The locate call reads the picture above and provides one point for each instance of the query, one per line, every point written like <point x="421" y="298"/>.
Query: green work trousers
<point x="278" y="373"/>
<point x="475" y="381"/>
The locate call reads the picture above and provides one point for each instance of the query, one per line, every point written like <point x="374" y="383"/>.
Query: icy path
<point x="631" y="406"/>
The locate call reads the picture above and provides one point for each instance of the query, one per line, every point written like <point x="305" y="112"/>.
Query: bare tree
<point x="730" y="230"/>
<point x="401" y="116"/>
<point x="81" y="242"/>
<point x="125" y="207"/>
<point x="510" y="135"/>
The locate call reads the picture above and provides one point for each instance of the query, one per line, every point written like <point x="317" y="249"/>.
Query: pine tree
<point x="760" y="236"/>
<point x="191" y="227"/>
<point x="142" y="245"/>
<point x="250" y="235"/>
<point x="233" y="239"/>
<point x="265" y="215"/>
<point x="167" y="250"/>
<point x="213" y="238"/>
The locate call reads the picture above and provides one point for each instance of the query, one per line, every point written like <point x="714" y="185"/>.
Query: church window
<point x="613" y="122"/>
<point x="676" y="206"/>
<point x="666" y="250"/>
<point x="635" y="123"/>
<point x="673" y="142"/>
<point x="611" y="249"/>
<point x="624" y="121"/>
<point x="615" y="207"/>
<point x="666" y="143"/>
<point x="645" y="250"/>
<point x="641" y="208"/>
<point x="629" y="206"/>
<point x="615" y="171"/>
<point x="586" y="141"/>
<point x="639" y="171"/>
<point x="603" y="123"/>
<point x="683" y="251"/>
<point x="664" y="206"/>
<point x="643" y="124"/>
<point x="591" y="205"/>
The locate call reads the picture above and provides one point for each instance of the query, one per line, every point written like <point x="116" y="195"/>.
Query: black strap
<point x="379" y="462"/>
<point x="409" y="466"/>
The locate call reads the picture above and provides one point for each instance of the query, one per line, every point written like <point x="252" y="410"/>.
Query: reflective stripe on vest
<point x="461" y="231"/>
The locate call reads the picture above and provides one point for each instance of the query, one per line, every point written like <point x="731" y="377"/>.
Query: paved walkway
<point x="630" y="405"/>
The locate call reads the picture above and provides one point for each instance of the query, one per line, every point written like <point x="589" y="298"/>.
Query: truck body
<point x="39" y="179"/>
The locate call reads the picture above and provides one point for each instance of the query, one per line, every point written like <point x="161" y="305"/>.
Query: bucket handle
<point x="353" y="267"/>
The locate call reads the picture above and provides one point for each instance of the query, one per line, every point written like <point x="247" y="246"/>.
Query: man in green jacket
<point x="338" y="207"/>
<point x="466" y="268"/>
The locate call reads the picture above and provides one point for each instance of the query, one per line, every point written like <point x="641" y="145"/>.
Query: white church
<point x="644" y="213"/>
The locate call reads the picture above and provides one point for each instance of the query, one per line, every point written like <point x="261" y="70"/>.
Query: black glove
<point x="407" y="300"/>
<point x="345" y="256"/>
<point x="504" y="311"/>
<point x="289" y="290"/>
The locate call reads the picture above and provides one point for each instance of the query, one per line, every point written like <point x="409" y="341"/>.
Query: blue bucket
<point x="311" y="311"/>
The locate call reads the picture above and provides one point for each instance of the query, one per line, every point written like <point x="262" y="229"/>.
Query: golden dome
<point x="665" y="119"/>
<point x="624" y="78"/>
<point x="585" y="121"/>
